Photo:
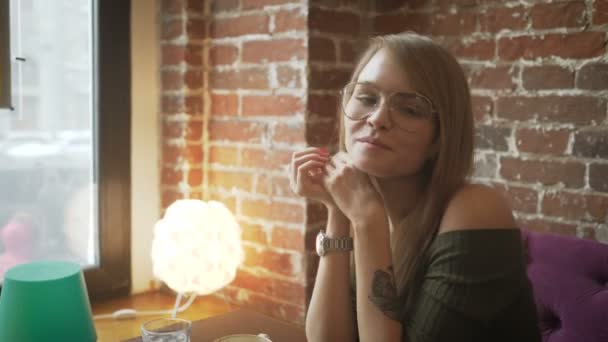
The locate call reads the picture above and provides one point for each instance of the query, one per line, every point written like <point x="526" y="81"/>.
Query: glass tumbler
<point x="166" y="330"/>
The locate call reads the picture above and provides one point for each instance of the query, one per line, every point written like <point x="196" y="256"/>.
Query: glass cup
<point x="166" y="330"/>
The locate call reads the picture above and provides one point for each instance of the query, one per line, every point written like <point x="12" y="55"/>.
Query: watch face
<point x="320" y="247"/>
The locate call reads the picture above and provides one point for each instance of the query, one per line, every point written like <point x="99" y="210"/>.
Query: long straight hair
<point x="435" y="73"/>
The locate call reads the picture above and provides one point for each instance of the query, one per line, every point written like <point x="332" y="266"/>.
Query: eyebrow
<point x="370" y="83"/>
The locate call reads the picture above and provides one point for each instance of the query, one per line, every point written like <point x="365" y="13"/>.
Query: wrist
<point x="338" y="225"/>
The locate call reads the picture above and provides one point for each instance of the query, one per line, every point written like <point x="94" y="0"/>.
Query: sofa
<point x="569" y="278"/>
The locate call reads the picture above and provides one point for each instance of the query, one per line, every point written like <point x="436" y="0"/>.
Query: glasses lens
<point x="408" y="108"/>
<point x="359" y="100"/>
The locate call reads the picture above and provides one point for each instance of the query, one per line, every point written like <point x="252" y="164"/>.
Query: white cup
<point x="244" y="338"/>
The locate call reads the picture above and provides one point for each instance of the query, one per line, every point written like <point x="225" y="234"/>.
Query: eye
<point x="410" y="111"/>
<point x="367" y="100"/>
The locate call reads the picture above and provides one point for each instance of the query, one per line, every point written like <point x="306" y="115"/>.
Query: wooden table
<point x="242" y="322"/>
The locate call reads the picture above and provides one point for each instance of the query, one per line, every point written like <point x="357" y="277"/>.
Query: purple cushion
<point x="570" y="281"/>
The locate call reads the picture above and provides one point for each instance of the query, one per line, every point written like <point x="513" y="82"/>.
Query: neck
<point x="400" y="196"/>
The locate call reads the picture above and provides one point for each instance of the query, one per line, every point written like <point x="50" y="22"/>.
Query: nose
<point x="380" y="117"/>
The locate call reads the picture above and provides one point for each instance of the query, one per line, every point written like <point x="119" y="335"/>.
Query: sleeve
<point x="470" y="277"/>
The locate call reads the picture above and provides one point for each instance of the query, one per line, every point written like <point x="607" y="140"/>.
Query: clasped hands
<point x="335" y="182"/>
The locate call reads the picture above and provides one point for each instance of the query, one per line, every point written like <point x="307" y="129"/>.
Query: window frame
<point x="113" y="103"/>
<point x="5" y="57"/>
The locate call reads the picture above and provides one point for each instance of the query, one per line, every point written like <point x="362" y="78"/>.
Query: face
<point x="376" y="144"/>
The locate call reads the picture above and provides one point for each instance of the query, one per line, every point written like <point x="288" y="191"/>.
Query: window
<point x="65" y="144"/>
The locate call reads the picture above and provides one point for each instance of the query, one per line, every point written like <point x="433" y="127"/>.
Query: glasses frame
<point x="384" y="99"/>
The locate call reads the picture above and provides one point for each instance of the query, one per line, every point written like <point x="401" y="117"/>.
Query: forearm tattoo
<point x="384" y="293"/>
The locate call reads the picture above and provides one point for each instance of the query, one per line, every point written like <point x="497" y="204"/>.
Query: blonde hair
<point x="435" y="73"/>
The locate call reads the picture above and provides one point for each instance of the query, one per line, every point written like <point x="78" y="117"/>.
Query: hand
<point x="352" y="190"/>
<point x="306" y="172"/>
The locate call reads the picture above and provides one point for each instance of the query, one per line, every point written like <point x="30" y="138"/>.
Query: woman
<point x="436" y="258"/>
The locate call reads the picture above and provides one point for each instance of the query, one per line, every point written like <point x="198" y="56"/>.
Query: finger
<point x="298" y="158"/>
<point x="304" y="171"/>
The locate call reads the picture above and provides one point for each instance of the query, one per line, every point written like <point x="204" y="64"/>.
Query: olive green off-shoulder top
<point x="472" y="286"/>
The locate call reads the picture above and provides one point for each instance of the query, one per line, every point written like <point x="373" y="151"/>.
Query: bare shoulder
<point x="477" y="206"/>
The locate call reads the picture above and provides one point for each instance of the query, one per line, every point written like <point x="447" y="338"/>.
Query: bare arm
<point x="330" y="314"/>
<point x="378" y="306"/>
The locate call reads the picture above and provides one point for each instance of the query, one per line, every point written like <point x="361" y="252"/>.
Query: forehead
<point x="384" y="71"/>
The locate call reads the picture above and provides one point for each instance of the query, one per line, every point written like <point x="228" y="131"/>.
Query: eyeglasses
<point x="407" y="110"/>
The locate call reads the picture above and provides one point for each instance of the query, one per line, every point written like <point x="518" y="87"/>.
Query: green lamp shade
<point x="45" y="301"/>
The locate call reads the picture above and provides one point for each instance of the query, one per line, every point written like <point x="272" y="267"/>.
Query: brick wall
<point x="247" y="82"/>
<point x="539" y="78"/>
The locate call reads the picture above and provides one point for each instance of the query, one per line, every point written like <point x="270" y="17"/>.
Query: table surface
<point x="242" y="322"/>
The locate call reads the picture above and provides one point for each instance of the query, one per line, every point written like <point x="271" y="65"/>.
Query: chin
<point x="373" y="167"/>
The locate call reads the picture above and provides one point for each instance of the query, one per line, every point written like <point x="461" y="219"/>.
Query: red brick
<point x="236" y="131"/>
<point x="328" y="78"/>
<point x="593" y="76"/>
<point x="479" y="49"/>
<point x="193" y="79"/>
<point x="224" y="104"/>
<point x="169" y="7"/>
<point x="324" y="105"/>
<point x="273" y="186"/>
<point x="391" y="23"/>
<point x="171" y="176"/>
<point x="497" y="19"/>
<point x="240" y="26"/>
<point x="172" y="29"/>
<point x="288" y="77"/>
<point x="388" y="5"/>
<point x="172" y="104"/>
<point x="558" y="15"/>
<point x="492" y="137"/>
<point x="254" y="233"/>
<point x="521" y="199"/>
<point x="347" y="51"/>
<point x="223" y="155"/>
<point x="191" y="130"/>
<point x="169" y="196"/>
<point x="598" y="179"/>
<point x="591" y="144"/>
<point x="172" y="54"/>
<point x="196" y="7"/>
<point x="230" y="180"/>
<point x="322" y="132"/>
<point x="272" y="210"/>
<point x="171" y="80"/>
<point x="574" y="206"/>
<point x="571" y="174"/>
<point x="497" y="78"/>
<point x="193" y="105"/>
<point x="195" y="29"/>
<point x="290" y="20"/>
<point x="265" y="158"/>
<point x="600" y="12"/>
<point x="223" y="54"/>
<point x="288" y="133"/>
<point x="287" y="238"/>
<point x="321" y="49"/>
<point x="173" y="154"/>
<point x="253" y="78"/>
<point x="224" y="5"/>
<point x="277" y="105"/>
<point x="193" y="55"/>
<point x="447" y="24"/>
<point x="482" y="107"/>
<point x="542" y="141"/>
<point x="330" y="21"/>
<point x="276" y="288"/>
<point x="573" y="45"/>
<point x="258" y="4"/>
<point x="547" y="77"/>
<point x="277" y="262"/>
<point x="565" y="109"/>
<point x="276" y="50"/>
<point x="451" y="3"/>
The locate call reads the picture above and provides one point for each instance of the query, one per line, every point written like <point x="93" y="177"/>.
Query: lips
<point x="375" y="142"/>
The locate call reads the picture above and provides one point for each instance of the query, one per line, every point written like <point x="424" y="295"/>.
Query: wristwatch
<point x="326" y="244"/>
